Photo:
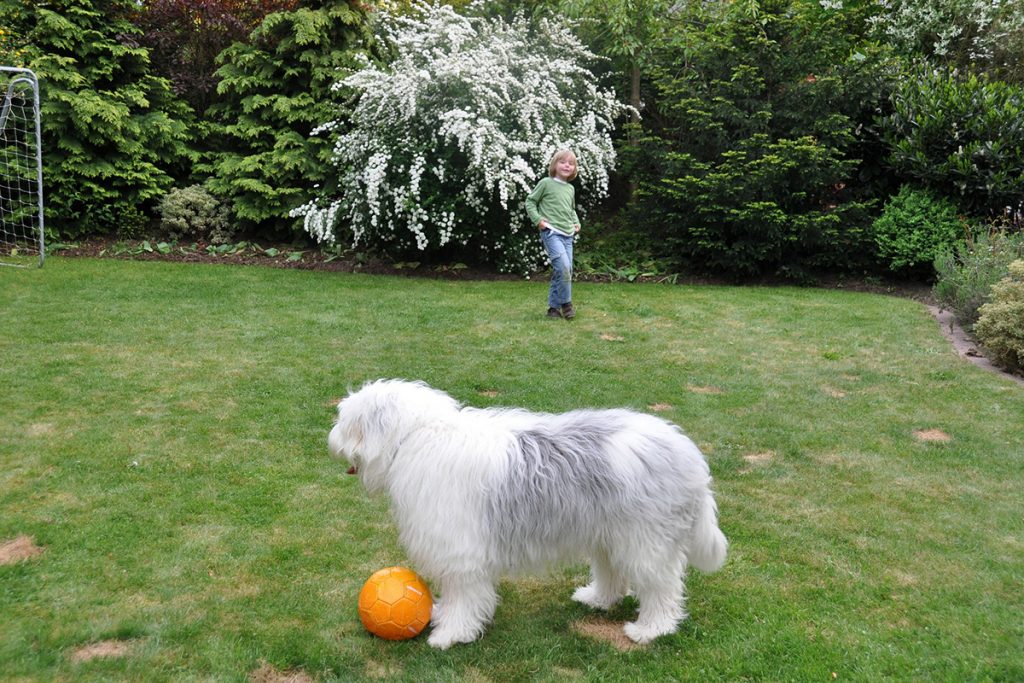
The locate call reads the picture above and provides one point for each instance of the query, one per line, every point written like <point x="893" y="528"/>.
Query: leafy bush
<point x="1000" y="327"/>
<point x="966" y="272"/>
<point x="194" y="212"/>
<point x="274" y="90"/>
<point x="747" y="163"/>
<point x="916" y="227"/>
<point x="112" y="132"/>
<point x="448" y="139"/>
<point x="960" y="136"/>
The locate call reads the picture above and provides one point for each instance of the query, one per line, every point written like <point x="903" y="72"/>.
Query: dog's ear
<point x="376" y="413"/>
<point x="339" y="441"/>
<point x="366" y="421"/>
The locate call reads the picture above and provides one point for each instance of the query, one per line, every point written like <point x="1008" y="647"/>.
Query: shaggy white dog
<point x="478" y="494"/>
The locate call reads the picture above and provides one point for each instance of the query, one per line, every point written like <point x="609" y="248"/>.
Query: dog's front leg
<point x="607" y="586"/>
<point x="463" y="611"/>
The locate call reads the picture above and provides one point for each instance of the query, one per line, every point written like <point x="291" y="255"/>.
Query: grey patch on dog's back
<point x="558" y="479"/>
<point x="562" y="484"/>
<point x="572" y="458"/>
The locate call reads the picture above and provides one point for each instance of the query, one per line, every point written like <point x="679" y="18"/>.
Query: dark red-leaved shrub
<point x="185" y="37"/>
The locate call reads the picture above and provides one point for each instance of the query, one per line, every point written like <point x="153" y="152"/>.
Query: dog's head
<point x="373" y="421"/>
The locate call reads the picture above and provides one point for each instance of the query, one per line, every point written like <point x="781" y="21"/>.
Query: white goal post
<point x="21" y="170"/>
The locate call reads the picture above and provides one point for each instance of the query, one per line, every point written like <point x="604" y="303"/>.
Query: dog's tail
<point x="707" y="545"/>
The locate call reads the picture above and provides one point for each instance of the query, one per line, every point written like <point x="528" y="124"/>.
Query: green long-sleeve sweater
<point x="554" y="200"/>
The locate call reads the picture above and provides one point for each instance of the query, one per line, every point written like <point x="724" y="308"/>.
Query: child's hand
<point x="543" y="225"/>
<point x="577" y="229"/>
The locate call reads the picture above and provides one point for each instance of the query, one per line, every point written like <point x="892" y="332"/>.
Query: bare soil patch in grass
<point x="757" y="460"/>
<point x="268" y="673"/>
<point x="932" y="435"/>
<point x="704" y="390"/>
<point x="19" y="549"/>
<point x="606" y="631"/>
<point x="41" y="429"/>
<point x="101" y="649"/>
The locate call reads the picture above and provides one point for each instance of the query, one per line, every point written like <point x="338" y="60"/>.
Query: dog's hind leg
<point x="464" y="610"/>
<point x="660" y="592"/>
<point x="607" y="586"/>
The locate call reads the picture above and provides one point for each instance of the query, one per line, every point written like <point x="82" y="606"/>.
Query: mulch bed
<point x="311" y="259"/>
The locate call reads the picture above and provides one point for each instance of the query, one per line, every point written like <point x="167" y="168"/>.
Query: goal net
<point x="21" y="170"/>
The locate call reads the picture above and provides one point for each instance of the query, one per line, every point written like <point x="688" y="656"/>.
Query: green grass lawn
<point x="163" y="441"/>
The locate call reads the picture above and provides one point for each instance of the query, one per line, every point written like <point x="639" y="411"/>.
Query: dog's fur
<point x="478" y="494"/>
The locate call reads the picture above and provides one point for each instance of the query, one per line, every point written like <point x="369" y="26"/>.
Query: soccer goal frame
<point x="22" y="231"/>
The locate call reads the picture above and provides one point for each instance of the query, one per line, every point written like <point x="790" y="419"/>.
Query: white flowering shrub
<point x="446" y="140"/>
<point x="984" y="32"/>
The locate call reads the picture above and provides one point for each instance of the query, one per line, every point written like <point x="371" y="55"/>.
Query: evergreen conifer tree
<point x="274" y="90"/>
<point x="113" y="134"/>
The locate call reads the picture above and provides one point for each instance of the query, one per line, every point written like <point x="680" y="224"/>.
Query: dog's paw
<point x="443" y="638"/>
<point x="591" y="597"/>
<point x="645" y="633"/>
<point x="440" y="640"/>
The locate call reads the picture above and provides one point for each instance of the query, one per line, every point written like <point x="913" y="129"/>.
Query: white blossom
<point x="448" y="139"/>
<point x="935" y="25"/>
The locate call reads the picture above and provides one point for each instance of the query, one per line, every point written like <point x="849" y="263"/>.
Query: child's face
<point x="565" y="168"/>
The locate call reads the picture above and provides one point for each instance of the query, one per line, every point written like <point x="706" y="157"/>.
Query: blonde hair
<point x="564" y="154"/>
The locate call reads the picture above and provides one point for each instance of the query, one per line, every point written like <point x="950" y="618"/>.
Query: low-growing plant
<point x="915" y="227"/>
<point x="966" y="272"/>
<point x="622" y="255"/>
<point x="194" y="212"/>
<point x="1000" y="327"/>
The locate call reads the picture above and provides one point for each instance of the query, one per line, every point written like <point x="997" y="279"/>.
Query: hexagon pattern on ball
<point x="395" y="604"/>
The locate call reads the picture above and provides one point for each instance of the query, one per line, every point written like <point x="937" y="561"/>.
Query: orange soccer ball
<point x="395" y="604"/>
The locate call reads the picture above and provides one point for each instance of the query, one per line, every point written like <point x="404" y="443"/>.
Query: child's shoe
<point x="554" y="313"/>
<point x="568" y="312"/>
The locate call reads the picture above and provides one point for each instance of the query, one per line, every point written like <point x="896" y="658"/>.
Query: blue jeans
<point x="559" y="248"/>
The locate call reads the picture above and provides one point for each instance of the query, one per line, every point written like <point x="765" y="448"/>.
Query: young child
<point x="552" y="208"/>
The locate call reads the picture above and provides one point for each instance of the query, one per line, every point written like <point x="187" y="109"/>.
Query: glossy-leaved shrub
<point x="959" y="135"/>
